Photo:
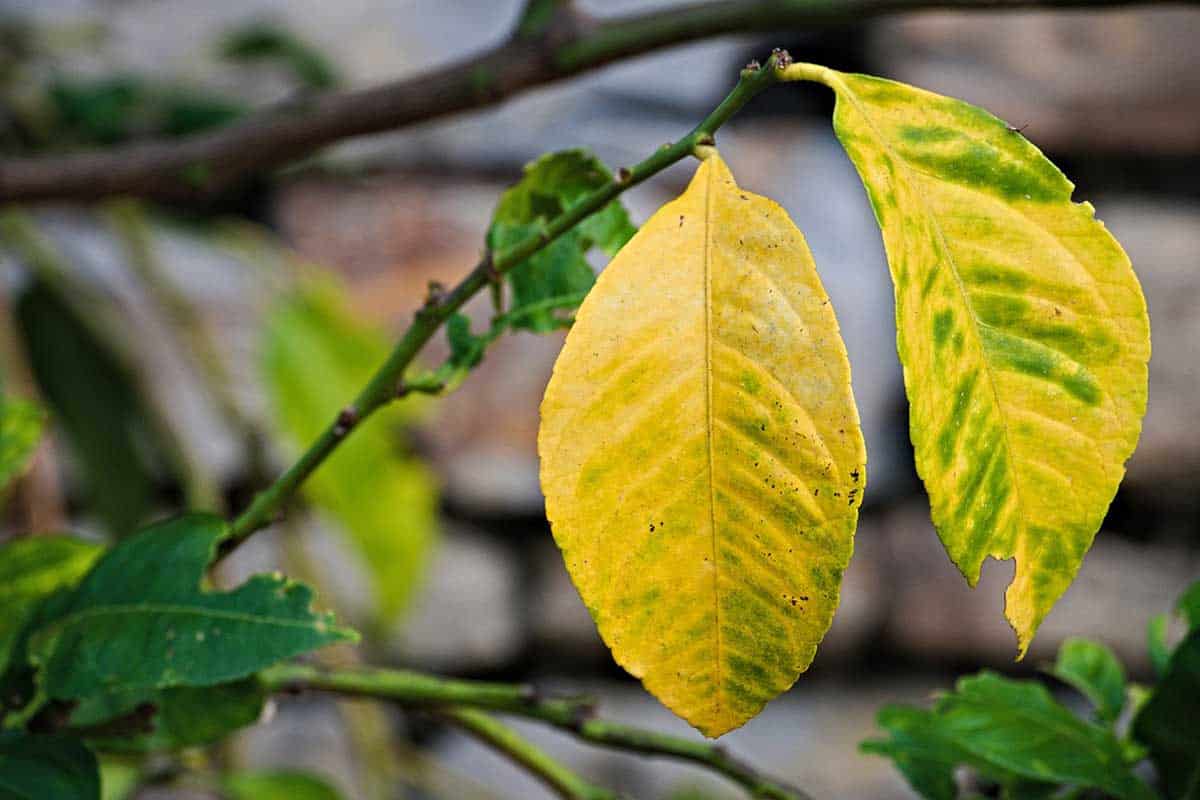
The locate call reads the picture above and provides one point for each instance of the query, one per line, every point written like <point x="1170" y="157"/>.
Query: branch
<point x="565" y="783"/>
<point x="388" y="382"/>
<point x="573" y="715"/>
<point x="553" y="41"/>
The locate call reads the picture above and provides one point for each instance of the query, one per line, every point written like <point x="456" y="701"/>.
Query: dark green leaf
<point x="184" y="716"/>
<point x="20" y="429"/>
<point x="1189" y="606"/>
<point x="46" y="768"/>
<point x="1168" y="722"/>
<point x="265" y="43"/>
<point x="1156" y="643"/>
<point x="317" y="356"/>
<point x="466" y="349"/>
<point x="550" y="186"/>
<point x="30" y="570"/>
<point x="140" y="619"/>
<point x="1093" y="670"/>
<point x="97" y="402"/>
<point x="278" y="785"/>
<point x="919" y="749"/>
<point x="99" y="110"/>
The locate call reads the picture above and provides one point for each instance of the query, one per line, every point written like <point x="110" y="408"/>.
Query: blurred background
<point x="187" y="353"/>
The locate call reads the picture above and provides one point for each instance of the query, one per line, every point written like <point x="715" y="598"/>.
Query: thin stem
<point x="565" y="783"/>
<point x="574" y="715"/>
<point x="383" y="387"/>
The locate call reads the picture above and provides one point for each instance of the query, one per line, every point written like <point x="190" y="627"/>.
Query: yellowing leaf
<point x="701" y="454"/>
<point x="1021" y="326"/>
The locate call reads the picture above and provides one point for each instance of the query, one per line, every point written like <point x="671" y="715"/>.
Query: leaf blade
<point x="729" y="543"/>
<point x="1095" y="672"/>
<point x="1021" y="326"/>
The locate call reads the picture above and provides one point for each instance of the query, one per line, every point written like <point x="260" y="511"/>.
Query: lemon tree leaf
<point x="1011" y="732"/>
<point x="550" y="186"/>
<point x="140" y="619"/>
<point x="316" y="357"/>
<point x="1020" y="324"/>
<point x="1094" y="670"/>
<point x="31" y="569"/>
<point x="1166" y="723"/>
<point x="20" y="428"/>
<point x="40" y="767"/>
<point x="701" y="454"/>
<point x="278" y="785"/>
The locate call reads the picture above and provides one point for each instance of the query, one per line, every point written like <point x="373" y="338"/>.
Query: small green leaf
<point x="1010" y="732"/>
<point x="1167" y="722"/>
<point x="184" y="716"/>
<point x="278" y="785"/>
<point x="98" y="404"/>
<point x="550" y="186"/>
<point x="261" y="42"/>
<point x="466" y="349"/>
<point x="20" y="428"/>
<point x="30" y="570"/>
<point x="1094" y="670"/>
<point x="1156" y="643"/>
<point x="317" y="357"/>
<point x="1189" y="606"/>
<point x="46" y="768"/>
<point x="140" y="619"/>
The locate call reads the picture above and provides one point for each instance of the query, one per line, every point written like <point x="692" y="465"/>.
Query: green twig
<point x="565" y="783"/>
<point x="387" y="381"/>
<point x="574" y="715"/>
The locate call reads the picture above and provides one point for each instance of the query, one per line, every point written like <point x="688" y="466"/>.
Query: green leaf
<point x="550" y="186"/>
<point x="466" y="349"/>
<point x="46" y="768"/>
<point x="1167" y="722"/>
<point x="20" y="429"/>
<point x="278" y="785"/>
<point x="185" y="716"/>
<point x="317" y="357"/>
<point x="31" y="569"/>
<point x="140" y="619"/>
<point x="1156" y="643"/>
<point x="1021" y="326"/>
<point x="261" y="42"/>
<point x="98" y="404"/>
<point x="1189" y="606"/>
<point x="1011" y="732"/>
<point x="1094" y="670"/>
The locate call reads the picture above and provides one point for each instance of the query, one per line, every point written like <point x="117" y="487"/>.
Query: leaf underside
<point x="701" y="454"/>
<point x="1021" y="327"/>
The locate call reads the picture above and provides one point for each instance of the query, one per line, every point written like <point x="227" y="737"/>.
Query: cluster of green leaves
<point x="126" y="649"/>
<point x="1015" y="735"/>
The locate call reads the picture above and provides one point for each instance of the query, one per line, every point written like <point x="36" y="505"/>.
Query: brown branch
<point x="542" y="49"/>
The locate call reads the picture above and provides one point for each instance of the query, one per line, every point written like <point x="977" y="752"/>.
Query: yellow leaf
<point x="701" y="454"/>
<point x="1021" y="327"/>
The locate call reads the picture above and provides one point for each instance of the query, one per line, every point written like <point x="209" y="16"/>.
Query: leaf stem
<point x="383" y="387"/>
<point x="565" y="783"/>
<point x="575" y="715"/>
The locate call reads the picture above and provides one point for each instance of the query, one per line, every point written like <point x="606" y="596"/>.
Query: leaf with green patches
<point x="141" y="620"/>
<point x="1094" y="670"/>
<point x="31" y="569"/>
<point x="1166" y="723"/>
<point x="278" y="785"/>
<point x="1021" y="326"/>
<point x="701" y="457"/>
<point x="317" y="357"/>
<point x="46" y="768"/>
<point x="1011" y="732"/>
<point x="20" y="429"/>
<point x="550" y="186"/>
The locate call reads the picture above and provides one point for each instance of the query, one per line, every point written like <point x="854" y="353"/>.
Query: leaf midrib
<point x="708" y="407"/>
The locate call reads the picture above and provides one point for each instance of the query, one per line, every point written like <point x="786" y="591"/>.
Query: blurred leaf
<point x="1156" y="643"/>
<point x="278" y="785"/>
<point x="1093" y="670"/>
<point x="30" y="570"/>
<point x="262" y="42"/>
<point x="100" y="111"/>
<point x="1189" y="606"/>
<point x="46" y="768"/>
<point x="140" y="619"/>
<point x="550" y="186"/>
<point x="98" y="404"/>
<point x="317" y="357"/>
<point x="184" y="716"/>
<point x="1012" y="732"/>
<point x="118" y="779"/>
<point x="20" y="429"/>
<point x="182" y="112"/>
<point x="1167" y="723"/>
